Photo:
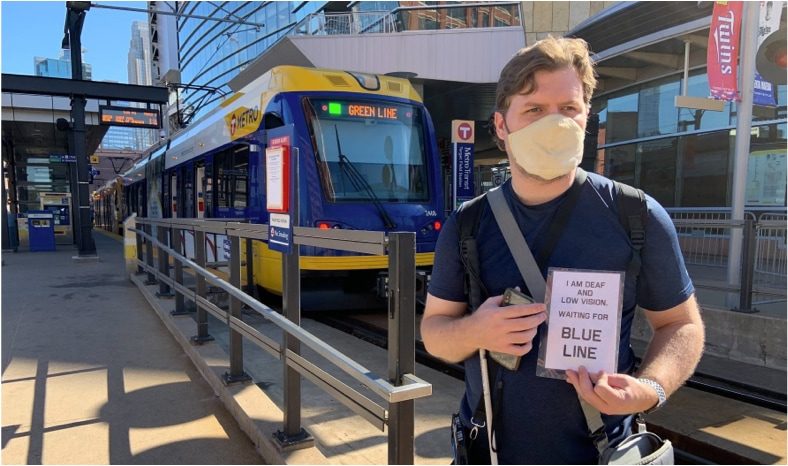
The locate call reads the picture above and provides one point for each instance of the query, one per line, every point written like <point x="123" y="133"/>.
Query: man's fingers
<point x="521" y="310"/>
<point x="523" y="337"/>
<point x="585" y="388"/>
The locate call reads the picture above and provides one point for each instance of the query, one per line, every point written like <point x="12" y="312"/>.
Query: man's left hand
<point x="612" y="393"/>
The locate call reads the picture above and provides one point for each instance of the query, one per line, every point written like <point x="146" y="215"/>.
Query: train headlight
<point x="437" y="225"/>
<point x="323" y="225"/>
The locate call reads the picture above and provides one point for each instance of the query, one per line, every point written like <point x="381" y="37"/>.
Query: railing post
<point x="201" y="291"/>
<point x="250" y="286"/>
<point x="292" y="436"/>
<point x="236" y="373"/>
<point x="748" y="266"/>
<point x="401" y="337"/>
<point x="177" y="245"/>
<point x="164" y="262"/>
<point x="140" y="255"/>
<point x="149" y="255"/>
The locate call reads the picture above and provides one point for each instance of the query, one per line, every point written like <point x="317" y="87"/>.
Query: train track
<point x="704" y="382"/>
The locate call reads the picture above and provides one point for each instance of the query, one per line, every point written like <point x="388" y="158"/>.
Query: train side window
<point x="232" y="178"/>
<point x="241" y="181"/>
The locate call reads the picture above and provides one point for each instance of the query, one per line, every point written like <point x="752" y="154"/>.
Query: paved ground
<point x="91" y="376"/>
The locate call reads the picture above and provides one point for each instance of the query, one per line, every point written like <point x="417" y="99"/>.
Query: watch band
<point x="661" y="397"/>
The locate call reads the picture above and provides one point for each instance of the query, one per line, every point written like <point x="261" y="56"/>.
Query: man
<point x="543" y="100"/>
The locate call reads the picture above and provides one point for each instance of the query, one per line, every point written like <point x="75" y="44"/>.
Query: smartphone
<point x="510" y="297"/>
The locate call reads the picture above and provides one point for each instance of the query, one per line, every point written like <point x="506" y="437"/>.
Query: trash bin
<point x="41" y="230"/>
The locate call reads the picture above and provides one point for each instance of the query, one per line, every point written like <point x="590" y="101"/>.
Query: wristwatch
<point x="661" y="398"/>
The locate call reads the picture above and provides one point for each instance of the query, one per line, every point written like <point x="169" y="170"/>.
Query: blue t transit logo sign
<point x="462" y="164"/>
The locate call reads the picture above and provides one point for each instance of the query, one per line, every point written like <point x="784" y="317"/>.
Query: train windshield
<point x="370" y="151"/>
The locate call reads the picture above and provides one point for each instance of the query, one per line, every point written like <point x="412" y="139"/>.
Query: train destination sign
<point x="365" y="110"/>
<point x="129" y="116"/>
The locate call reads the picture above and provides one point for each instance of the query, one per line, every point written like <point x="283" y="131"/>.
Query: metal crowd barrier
<point x="398" y="389"/>
<point x="704" y="237"/>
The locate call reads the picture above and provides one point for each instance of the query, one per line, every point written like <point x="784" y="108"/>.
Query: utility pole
<point x="83" y="229"/>
<point x="748" y="49"/>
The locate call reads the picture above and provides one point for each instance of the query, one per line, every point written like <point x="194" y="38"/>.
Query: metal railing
<point x="330" y="24"/>
<point x="416" y="18"/>
<point x="704" y="237"/>
<point x="398" y="389"/>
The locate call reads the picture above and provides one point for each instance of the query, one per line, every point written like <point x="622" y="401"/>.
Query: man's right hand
<point x="509" y="329"/>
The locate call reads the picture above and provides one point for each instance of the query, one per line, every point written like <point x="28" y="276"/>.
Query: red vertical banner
<point x="723" y="52"/>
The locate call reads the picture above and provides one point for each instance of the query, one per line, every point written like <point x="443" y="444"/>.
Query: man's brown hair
<point x="549" y="54"/>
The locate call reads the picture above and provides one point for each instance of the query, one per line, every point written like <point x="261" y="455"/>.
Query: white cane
<point x="487" y="405"/>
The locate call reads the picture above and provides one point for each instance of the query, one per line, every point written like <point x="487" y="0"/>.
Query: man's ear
<point x="500" y="128"/>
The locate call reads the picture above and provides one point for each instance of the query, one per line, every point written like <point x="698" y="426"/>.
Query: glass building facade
<point x="60" y="67"/>
<point x="213" y="52"/>
<point x="684" y="157"/>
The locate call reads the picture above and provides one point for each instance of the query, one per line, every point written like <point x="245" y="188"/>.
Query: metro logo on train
<point x="243" y="121"/>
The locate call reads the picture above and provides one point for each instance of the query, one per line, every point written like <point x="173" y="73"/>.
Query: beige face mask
<point x="550" y="147"/>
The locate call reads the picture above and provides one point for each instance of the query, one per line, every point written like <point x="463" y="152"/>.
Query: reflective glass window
<point x="657" y="170"/>
<point x="705" y="169"/>
<point x="619" y="163"/>
<point x="657" y="113"/>
<point x="693" y="119"/>
<point x="766" y="167"/>
<point x="622" y="118"/>
<point x="773" y="112"/>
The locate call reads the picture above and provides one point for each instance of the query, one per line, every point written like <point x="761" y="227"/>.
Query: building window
<point x="657" y="170"/>
<point x="622" y="118"/>
<point x="705" y="167"/>
<point x="693" y="119"/>
<point x="619" y="163"/>
<point x="657" y="113"/>
<point x="766" y="167"/>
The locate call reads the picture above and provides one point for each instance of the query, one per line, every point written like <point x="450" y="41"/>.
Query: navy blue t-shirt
<point x="540" y="420"/>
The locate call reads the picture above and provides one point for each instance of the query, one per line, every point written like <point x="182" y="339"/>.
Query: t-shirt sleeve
<point x="447" y="281"/>
<point x="664" y="282"/>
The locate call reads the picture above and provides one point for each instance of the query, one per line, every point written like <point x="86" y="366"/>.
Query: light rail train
<point x="367" y="160"/>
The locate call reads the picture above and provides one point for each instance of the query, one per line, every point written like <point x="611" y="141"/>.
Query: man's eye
<point x="533" y="110"/>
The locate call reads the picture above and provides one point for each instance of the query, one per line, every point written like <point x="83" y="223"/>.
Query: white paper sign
<point x="584" y="317"/>
<point x="274" y="178"/>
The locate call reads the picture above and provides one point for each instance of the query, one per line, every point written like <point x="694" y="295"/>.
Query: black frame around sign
<point x="103" y="108"/>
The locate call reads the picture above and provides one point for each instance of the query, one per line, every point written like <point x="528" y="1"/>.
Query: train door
<point x="173" y="184"/>
<point x="186" y="193"/>
<point x="199" y="178"/>
<point x="209" y="193"/>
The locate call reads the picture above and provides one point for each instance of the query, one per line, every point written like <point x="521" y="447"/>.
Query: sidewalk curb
<point x="257" y="415"/>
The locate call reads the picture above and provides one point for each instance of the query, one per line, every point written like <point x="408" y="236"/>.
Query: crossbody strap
<point x="516" y="241"/>
<point x="536" y="285"/>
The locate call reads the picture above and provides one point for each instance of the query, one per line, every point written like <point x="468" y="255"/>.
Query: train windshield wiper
<point x="361" y="184"/>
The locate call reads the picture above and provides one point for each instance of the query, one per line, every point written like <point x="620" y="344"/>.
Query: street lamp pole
<point x="75" y="18"/>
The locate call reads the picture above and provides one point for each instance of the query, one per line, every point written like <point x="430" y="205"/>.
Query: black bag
<point x="460" y="443"/>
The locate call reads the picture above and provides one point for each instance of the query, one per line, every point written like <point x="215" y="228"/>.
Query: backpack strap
<point x="633" y="215"/>
<point x="468" y="216"/>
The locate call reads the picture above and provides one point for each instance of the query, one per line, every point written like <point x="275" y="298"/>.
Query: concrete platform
<point x="90" y="375"/>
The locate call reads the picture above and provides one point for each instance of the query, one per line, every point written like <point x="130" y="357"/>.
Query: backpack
<point x="632" y="214"/>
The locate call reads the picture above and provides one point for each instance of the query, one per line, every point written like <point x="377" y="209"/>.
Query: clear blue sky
<point x="35" y="29"/>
